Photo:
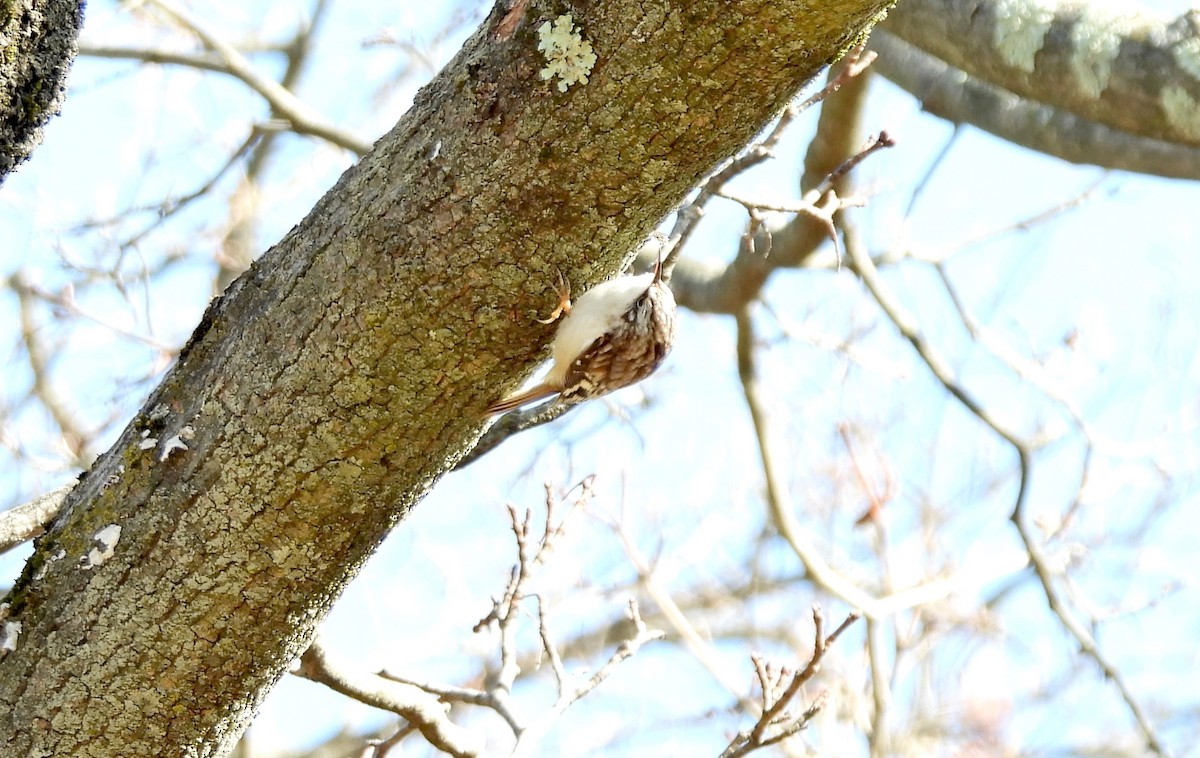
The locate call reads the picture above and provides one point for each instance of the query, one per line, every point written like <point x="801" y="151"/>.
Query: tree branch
<point x="283" y="103"/>
<point x="1124" y="68"/>
<point x="39" y="41"/>
<point x="779" y="687"/>
<point x="421" y="709"/>
<point x="26" y="521"/>
<point x="941" y="370"/>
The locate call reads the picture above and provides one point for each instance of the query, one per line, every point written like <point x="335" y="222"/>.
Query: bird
<point x="616" y="334"/>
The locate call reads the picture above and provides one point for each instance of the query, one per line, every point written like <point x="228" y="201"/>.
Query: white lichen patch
<point x="1020" y="30"/>
<point x="1182" y="111"/>
<point x="176" y="443"/>
<point x="1096" y="39"/>
<point x="1187" y="56"/>
<point x="106" y="544"/>
<point x="171" y="445"/>
<point x="9" y="636"/>
<point x="568" y="55"/>
<point x="147" y="442"/>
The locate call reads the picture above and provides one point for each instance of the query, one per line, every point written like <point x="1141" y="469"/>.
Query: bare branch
<point x="874" y="144"/>
<point x="419" y="708"/>
<point x="695" y="644"/>
<point x="75" y="439"/>
<point x="911" y="331"/>
<point x="529" y="738"/>
<point x="783" y="513"/>
<point x="26" y="521"/>
<point x="205" y="62"/>
<point x="170" y="206"/>
<point x="853" y="65"/>
<point x="941" y="370"/>
<point x="556" y="664"/>
<point x="65" y="300"/>
<point x="284" y="103"/>
<point x="512" y="423"/>
<point x="780" y="687"/>
<point x="880" y="691"/>
<point x="532" y="552"/>
<point x="625" y="650"/>
<point x="448" y="693"/>
<point x="689" y="215"/>
<point x="1087" y="643"/>
<point x="939" y="255"/>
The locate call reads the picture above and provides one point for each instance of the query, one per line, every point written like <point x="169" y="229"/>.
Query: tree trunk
<point x="38" y="40"/>
<point x="332" y="384"/>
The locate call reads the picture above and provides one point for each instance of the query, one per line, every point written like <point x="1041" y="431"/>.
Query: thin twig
<point x="911" y="331"/>
<point x="1035" y="375"/>
<point x="783" y="511"/>
<point x="934" y="166"/>
<point x="855" y="63"/>
<point x="1085" y="640"/>
<point x="779" y="689"/>
<point x="203" y="62"/>
<point x="941" y="370"/>
<point x="821" y="203"/>
<point x="381" y="748"/>
<point x="944" y="253"/>
<point x="876" y="500"/>
<point x="65" y="300"/>
<point x="528" y="739"/>
<point x="556" y="664"/>
<point x="695" y="644"/>
<point x="286" y="105"/>
<point x="447" y="692"/>
<point x="688" y="217"/>
<point x="625" y="650"/>
<point x="169" y="206"/>
<point x="419" y="708"/>
<point x="514" y="423"/>
<point x="881" y="141"/>
<point x="74" y="438"/>
<point x="533" y="552"/>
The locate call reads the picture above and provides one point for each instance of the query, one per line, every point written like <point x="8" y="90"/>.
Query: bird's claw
<point x="564" y="301"/>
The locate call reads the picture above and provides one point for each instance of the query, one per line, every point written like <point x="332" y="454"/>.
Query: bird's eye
<point x="639" y="307"/>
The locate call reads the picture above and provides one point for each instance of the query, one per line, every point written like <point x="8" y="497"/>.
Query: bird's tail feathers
<point x="537" y="392"/>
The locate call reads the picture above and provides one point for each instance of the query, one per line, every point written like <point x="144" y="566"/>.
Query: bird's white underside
<point x="593" y="315"/>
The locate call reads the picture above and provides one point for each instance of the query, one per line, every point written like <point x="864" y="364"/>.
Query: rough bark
<point x="38" y="40"/>
<point x="1101" y="83"/>
<point x="330" y="386"/>
<point x="952" y="94"/>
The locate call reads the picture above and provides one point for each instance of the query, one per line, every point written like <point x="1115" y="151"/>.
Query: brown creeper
<point x="618" y="333"/>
